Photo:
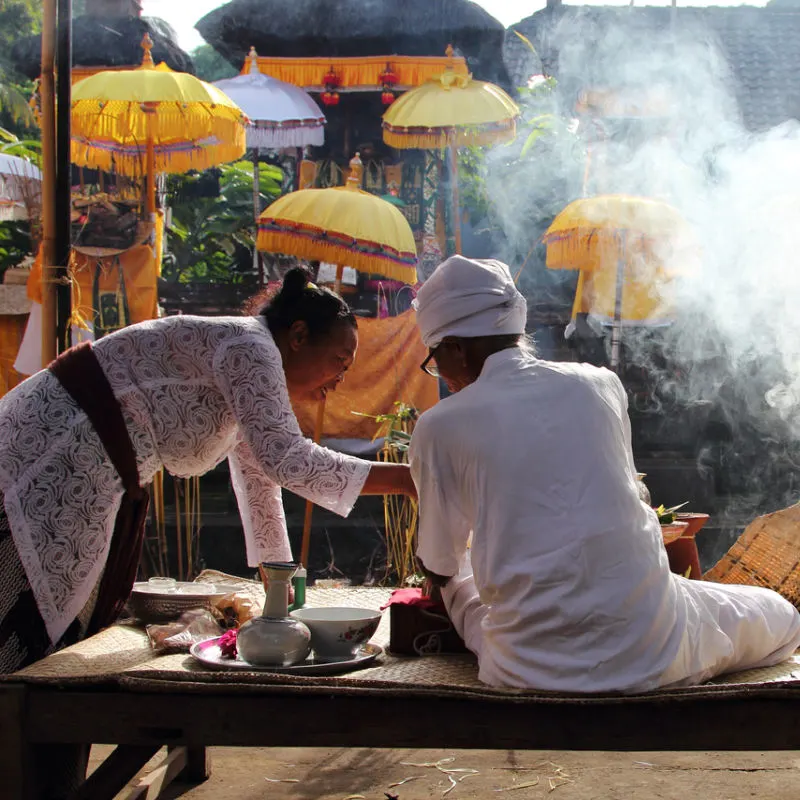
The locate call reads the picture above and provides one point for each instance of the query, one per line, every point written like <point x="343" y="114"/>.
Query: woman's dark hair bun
<point x="297" y="301"/>
<point x="294" y="283"/>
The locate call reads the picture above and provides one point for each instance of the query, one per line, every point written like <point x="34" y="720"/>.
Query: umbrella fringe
<point x="364" y="257"/>
<point x="439" y="138"/>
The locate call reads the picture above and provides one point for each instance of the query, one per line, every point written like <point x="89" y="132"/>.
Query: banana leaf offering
<point x="666" y="516"/>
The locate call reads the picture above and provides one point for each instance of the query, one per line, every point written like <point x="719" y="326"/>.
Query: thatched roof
<point x="319" y="28"/>
<point x="753" y="50"/>
<point x="108" y="43"/>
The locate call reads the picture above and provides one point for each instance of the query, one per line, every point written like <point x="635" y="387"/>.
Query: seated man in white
<point x="566" y="586"/>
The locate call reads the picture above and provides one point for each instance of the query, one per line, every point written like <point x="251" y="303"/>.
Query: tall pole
<point x="63" y="203"/>
<point x="453" y="153"/>
<point x="305" y="543"/>
<point x="48" y="99"/>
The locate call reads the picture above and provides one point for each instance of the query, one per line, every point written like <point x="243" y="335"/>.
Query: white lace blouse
<point x="193" y="391"/>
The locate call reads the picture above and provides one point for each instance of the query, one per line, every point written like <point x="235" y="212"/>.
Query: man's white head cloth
<point x="466" y="297"/>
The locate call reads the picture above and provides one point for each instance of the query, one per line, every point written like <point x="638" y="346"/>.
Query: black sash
<point x="80" y="373"/>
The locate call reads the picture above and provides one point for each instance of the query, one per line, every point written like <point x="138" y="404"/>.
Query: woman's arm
<point x="389" y="479"/>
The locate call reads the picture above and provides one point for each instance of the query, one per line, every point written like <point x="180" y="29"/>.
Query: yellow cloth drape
<point x="386" y="370"/>
<point x="356" y="73"/>
<point x="12" y="329"/>
<point x="140" y="265"/>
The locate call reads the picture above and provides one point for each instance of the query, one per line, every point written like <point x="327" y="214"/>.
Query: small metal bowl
<point x="149" y="606"/>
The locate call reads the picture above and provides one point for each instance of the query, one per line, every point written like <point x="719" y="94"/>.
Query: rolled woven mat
<point x="766" y="554"/>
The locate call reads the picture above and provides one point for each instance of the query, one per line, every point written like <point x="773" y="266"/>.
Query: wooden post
<point x="306" y="542"/>
<point x="48" y="99"/>
<point x="63" y="199"/>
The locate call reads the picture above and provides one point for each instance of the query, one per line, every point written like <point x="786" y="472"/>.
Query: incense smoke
<point x="734" y="349"/>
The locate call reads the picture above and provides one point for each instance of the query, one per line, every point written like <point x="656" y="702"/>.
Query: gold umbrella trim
<point x="315" y="244"/>
<point x="438" y="138"/>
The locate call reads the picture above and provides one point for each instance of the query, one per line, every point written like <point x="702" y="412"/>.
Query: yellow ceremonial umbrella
<point x="152" y="119"/>
<point x="628" y="251"/>
<point x="344" y="226"/>
<point x="451" y="111"/>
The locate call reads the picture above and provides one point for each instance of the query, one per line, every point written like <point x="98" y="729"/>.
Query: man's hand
<point x="437" y="581"/>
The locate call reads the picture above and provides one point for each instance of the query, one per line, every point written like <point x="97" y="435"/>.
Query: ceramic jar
<point x="275" y="639"/>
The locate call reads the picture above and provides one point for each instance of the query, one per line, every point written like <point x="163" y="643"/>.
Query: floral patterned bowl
<point x="337" y="632"/>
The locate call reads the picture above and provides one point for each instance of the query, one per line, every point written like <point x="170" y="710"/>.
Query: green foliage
<point x="12" y="145"/>
<point x="211" y="239"/>
<point x="16" y="239"/>
<point x="210" y="66"/>
<point x="18" y="18"/>
<point x="15" y="244"/>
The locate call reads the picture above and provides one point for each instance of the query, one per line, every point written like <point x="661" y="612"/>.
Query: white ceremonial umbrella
<point x="20" y="182"/>
<point x="281" y="116"/>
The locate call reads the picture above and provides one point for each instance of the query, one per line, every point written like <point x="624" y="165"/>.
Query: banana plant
<point x="210" y="239"/>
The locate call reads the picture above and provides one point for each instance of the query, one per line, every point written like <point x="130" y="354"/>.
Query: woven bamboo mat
<point x="767" y="554"/>
<point x="121" y="656"/>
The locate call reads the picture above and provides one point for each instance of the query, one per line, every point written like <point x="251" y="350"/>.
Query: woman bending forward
<point x="192" y="391"/>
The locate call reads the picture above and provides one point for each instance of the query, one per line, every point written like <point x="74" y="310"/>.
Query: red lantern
<point x="387" y="97"/>
<point x="388" y="77"/>
<point x="331" y="80"/>
<point x="330" y="98"/>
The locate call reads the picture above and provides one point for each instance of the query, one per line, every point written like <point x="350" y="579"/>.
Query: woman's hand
<point x="389" y="479"/>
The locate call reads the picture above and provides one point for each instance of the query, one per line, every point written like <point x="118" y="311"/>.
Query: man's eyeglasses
<point x="429" y="365"/>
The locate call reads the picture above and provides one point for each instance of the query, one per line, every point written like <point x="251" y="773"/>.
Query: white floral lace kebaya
<point x="193" y="391"/>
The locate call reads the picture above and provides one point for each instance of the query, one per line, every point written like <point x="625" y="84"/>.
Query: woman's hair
<point x="300" y="300"/>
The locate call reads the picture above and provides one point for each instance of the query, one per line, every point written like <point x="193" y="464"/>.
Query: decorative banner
<point x="386" y="371"/>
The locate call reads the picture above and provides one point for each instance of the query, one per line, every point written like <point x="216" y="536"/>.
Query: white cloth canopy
<point x="281" y="115"/>
<point x="467" y="297"/>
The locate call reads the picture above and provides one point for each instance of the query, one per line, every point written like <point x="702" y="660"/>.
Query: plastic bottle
<point x="299" y="586"/>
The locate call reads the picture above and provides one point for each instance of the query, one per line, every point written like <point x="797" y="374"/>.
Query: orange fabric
<point x="357" y="73"/>
<point x="140" y="267"/>
<point x="386" y="370"/>
<point x="12" y="329"/>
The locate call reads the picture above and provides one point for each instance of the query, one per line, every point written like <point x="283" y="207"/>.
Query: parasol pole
<point x="258" y="266"/>
<point x="305" y="545"/>
<point x="616" y="329"/>
<point x="150" y="113"/>
<point x="453" y="153"/>
<point x="47" y="87"/>
<point x="150" y="164"/>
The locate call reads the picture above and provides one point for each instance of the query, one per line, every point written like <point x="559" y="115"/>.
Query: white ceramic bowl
<point x="337" y="632"/>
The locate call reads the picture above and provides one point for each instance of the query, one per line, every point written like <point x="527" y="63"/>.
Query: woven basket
<point x="766" y="554"/>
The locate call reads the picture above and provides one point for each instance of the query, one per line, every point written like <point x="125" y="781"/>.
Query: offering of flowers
<point x="666" y="516"/>
<point x="227" y="643"/>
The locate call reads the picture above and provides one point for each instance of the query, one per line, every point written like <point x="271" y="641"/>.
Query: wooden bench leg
<point x="16" y="754"/>
<point x="117" y="770"/>
<point x="185" y="764"/>
<point x="198" y="765"/>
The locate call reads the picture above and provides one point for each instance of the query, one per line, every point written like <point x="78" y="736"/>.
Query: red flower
<point x="227" y="644"/>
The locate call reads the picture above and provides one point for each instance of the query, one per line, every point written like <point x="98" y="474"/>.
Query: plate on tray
<point x="208" y="654"/>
